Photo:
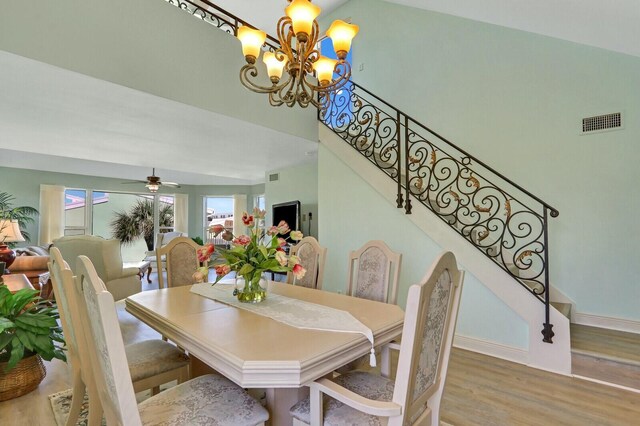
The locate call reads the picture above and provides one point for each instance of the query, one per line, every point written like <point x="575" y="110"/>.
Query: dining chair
<point x="209" y="399"/>
<point x="151" y="362"/>
<point x="312" y="257"/>
<point x="414" y="397"/>
<point x="180" y="260"/>
<point x="374" y="270"/>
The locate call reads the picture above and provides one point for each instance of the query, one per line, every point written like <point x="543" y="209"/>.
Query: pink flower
<point x="260" y="214"/>
<point x="201" y="274"/>
<point x="281" y="257"/>
<point x="227" y="235"/>
<point x="282" y="242"/>
<point x="296" y="235"/>
<point x="242" y="240"/>
<point x="298" y="271"/>
<point x="222" y="270"/>
<point x="272" y="231"/>
<point x="283" y="228"/>
<point x="216" y="229"/>
<point x="204" y="253"/>
<point x="294" y="260"/>
<point x="247" y="219"/>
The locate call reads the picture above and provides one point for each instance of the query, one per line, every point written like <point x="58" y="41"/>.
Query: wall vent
<point x="601" y="123"/>
<point x="274" y="177"/>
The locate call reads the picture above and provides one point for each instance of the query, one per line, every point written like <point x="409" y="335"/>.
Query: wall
<point x="25" y="186"/>
<point x="352" y="213"/>
<point x="295" y="183"/>
<point x="515" y="100"/>
<point x="147" y="45"/>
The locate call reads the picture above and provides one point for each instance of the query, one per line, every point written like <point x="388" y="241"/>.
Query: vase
<point x="246" y="292"/>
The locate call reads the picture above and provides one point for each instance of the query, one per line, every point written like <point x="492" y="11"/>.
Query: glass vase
<point x="247" y="292"/>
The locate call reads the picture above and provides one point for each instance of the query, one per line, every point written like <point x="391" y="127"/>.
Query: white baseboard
<point x="619" y="324"/>
<point x="497" y="350"/>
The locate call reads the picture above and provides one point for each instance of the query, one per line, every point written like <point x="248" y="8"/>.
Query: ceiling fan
<point x="153" y="182"/>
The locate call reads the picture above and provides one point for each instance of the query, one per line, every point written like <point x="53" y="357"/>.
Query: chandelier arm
<point x="250" y="71"/>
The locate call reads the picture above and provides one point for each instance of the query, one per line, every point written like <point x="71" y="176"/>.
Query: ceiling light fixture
<point x="298" y="55"/>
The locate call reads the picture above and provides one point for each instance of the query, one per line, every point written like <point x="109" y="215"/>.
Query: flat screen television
<point x="289" y="212"/>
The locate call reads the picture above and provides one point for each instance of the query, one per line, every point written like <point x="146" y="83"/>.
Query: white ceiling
<point x="72" y="123"/>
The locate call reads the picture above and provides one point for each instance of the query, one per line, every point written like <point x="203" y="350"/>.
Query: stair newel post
<point x="407" y="202"/>
<point x="547" y="330"/>
<point x="399" y="199"/>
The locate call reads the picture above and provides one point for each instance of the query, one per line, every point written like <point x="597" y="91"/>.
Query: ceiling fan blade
<point x="173" y="184"/>
<point x="134" y="181"/>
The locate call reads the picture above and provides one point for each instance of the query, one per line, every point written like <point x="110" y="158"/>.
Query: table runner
<point x="293" y="312"/>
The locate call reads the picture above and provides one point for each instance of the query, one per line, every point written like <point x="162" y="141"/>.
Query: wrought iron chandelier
<point x="298" y="57"/>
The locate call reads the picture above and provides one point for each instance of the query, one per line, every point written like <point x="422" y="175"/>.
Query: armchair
<point x="107" y="259"/>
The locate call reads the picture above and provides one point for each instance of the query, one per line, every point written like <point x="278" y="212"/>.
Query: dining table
<point x="256" y="351"/>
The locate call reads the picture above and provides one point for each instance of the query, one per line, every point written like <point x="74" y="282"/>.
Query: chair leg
<point x="76" y="400"/>
<point x="95" y="411"/>
<point x="155" y="390"/>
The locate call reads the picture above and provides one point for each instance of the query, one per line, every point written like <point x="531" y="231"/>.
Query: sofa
<point x="106" y="258"/>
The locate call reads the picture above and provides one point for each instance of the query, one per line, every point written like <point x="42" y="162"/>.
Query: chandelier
<point x="298" y="58"/>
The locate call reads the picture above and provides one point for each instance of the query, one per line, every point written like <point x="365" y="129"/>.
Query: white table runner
<point x="293" y="312"/>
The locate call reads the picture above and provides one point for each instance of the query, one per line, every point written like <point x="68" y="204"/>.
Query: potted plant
<point x="29" y="331"/>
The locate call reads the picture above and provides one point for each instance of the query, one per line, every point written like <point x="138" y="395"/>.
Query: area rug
<point x="61" y="403"/>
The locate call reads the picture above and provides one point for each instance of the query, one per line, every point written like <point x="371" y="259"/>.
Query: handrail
<point x="502" y="227"/>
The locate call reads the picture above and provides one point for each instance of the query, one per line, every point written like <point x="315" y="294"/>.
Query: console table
<point x="16" y="282"/>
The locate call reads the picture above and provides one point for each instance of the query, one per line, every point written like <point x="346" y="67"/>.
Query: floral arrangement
<point x="251" y="255"/>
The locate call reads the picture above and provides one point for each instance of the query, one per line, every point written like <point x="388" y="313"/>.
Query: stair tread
<point x="608" y="344"/>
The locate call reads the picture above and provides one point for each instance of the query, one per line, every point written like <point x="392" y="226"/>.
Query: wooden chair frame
<point x="394" y="262"/>
<point x="321" y="252"/>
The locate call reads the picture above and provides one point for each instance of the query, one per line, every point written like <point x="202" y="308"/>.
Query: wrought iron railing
<point x="504" y="221"/>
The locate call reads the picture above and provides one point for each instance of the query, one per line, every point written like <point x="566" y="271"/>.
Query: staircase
<point x="503" y="224"/>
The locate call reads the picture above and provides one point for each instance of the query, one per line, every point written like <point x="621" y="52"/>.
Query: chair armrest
<point x="127" y="272"/>
<point x="352" y="399"/>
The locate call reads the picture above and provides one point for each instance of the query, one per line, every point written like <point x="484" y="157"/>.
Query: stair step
<point x="609" y="355"/>
<point x="563" y="308"/>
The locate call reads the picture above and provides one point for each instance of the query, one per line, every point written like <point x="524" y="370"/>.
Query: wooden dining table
<point x="258" y="352"/>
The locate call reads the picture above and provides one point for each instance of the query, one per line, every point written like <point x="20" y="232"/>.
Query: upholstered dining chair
<point x="151" y="362"/>
<point x="181" y="261"/>
<point x="414" y="397"/>
<point x="209" y="399"/>
<point x="312" y="257"/>
<point x="373" y="272"/>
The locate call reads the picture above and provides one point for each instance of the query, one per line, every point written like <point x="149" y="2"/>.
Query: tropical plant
<point x="23" y="214"/>
<point x="138" y="221"/>
<point x="28" y="326"/>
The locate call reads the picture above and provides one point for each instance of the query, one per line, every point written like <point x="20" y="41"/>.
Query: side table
<point x="143" y="267"/>
<point x="16" y="282"/>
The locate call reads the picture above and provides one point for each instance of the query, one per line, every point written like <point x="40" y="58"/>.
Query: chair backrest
<point x="104" y="254"/>
<point x="427" y="335"/>
<point x="180" y="260"/>
<point x="106" y="349"/>
<point x="164" y="238"/>
<point x="72" y="316"/>
<point x="373" y="272"/>
<point x="312" y="257"/>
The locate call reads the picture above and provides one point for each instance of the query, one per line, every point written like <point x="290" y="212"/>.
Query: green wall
<point x="148" y="45"/>
<point x="352" y="213"/>
<point x="515" y="100"/>
<point x="296" y="183"/>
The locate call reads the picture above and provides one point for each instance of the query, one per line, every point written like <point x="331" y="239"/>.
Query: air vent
<point x="601" y="123"/>
<point x="274" y="177"/>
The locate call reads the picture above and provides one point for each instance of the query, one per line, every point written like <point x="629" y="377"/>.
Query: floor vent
<point x="599" y="123"/>
<point x="274" y="177"/>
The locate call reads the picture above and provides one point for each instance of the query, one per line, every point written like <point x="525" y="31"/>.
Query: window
<point x="217" y="211"/>
<point x="259" y="202"/>
<point x="75" y="212"/>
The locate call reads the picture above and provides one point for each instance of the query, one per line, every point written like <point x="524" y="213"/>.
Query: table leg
<point x="280" y="400"/>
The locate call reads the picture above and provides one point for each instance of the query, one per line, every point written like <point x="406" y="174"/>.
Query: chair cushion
<point x="369" y="385"/>
<point x="152" y="357"/>
<point x="205" y="400"/>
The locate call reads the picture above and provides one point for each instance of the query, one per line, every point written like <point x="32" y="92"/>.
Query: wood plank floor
<point x="480" y="390"/>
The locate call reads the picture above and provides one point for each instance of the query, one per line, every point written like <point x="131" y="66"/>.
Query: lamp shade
<point x="10" y="231"/>
<point x="252" y="40"/>
<point x="324" y="69"/>
<point x="341" y="35"/>
<point x="302" y="14"/>
<point x="274" y="66"/>
<point x="153" y="187"/>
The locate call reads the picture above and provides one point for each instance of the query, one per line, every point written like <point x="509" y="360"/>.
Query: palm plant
<point x="138" y="221"/>
<point x="23" y="214"/>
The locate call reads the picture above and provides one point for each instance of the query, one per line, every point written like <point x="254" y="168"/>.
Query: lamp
<point x="297" y="58"/>
<point x="9" y="233"/>
<point x="153" y="187"/>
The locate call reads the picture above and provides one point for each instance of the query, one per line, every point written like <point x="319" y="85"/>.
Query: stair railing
<point x="507" y="223"/>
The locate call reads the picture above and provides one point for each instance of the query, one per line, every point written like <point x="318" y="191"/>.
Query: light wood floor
<point x="480" y="390"/>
